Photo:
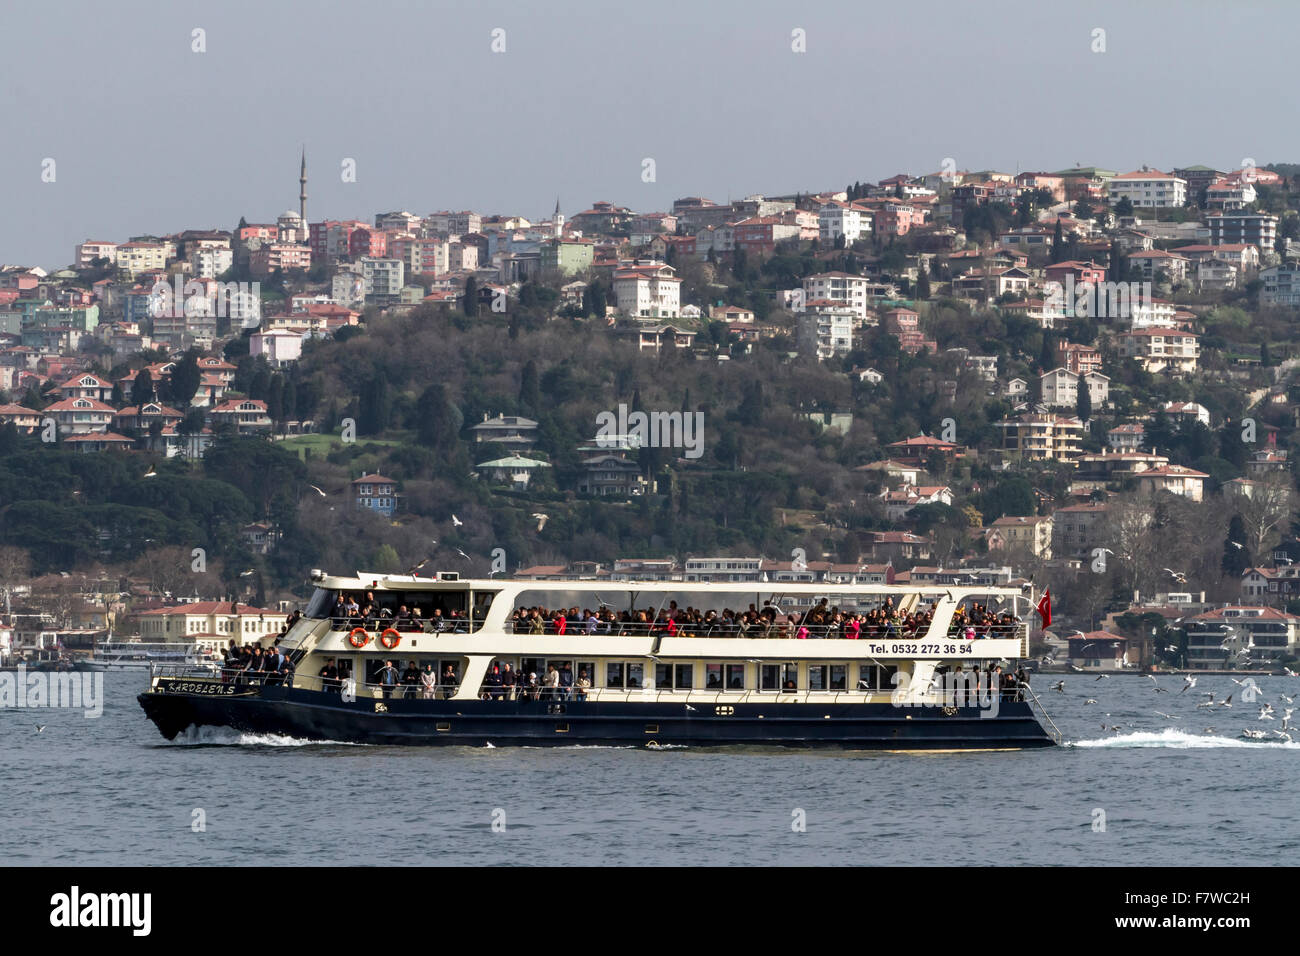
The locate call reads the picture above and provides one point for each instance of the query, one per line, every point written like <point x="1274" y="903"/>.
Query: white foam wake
<point x="1179" y="740"/>
<point x="229" y="737"/>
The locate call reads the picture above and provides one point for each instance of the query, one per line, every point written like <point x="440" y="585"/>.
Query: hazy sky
<point x="150" y="137"/>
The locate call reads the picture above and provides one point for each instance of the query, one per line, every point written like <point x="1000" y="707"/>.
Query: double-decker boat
<point x="142" y="655"/>
<point x="652" y="664"/>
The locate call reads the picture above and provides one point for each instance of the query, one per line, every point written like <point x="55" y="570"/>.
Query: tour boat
<point x="140" y="655"/>
<point x="629" y="682"/>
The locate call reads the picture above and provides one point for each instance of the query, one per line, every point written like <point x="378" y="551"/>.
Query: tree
<point x="923" y="282"/>
<point x="142" y="388"/>
<point x="1124" y="207"/>
<point x="470" y="302"/>
<point x="186" y="379"/>
<point x="1083" y="404"/>
<point x="1236" y="559"/>
<point x="1264" y="511"/>
<point x="1058" y="245"/>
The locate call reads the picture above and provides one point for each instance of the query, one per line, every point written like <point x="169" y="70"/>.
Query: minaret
<point x="302" y="183"/>
<point x="557" y="221"/>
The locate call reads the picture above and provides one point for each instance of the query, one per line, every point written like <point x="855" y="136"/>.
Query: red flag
<point x="1045" y="608"/>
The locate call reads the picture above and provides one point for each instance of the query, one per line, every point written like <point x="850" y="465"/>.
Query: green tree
<point x="1083" y="404"/>
<point x="142" y="388"/>
<point x="470" y="302"/>
<point x="185" y="380"/>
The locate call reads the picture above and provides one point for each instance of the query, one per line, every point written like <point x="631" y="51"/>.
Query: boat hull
<point x="316" y="715"/>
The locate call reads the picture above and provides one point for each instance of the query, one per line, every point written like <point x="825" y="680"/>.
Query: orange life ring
<point x="359" y="642"/>
<point x="384" y="638"/>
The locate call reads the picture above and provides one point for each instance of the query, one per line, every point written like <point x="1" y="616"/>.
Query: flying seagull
<point x="244" y="574"/>
<point x="412" y="571"/>
<point x="318" y="491"/>
<point x="40" y="728"/>
<point x="1059" y="687"/>
<point x="151" y="473"/>
<point x="462" y="554"/>
<point x="541" y="520"/>
<point x="456" y="522"/>
<point x="1188" y="683"/>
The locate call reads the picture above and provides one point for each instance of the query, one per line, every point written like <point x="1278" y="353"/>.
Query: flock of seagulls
<point x="1280" y="715"/>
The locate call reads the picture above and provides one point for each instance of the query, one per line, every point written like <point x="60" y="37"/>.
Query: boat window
<point x="779" y="677"/>
<point x="839" y="674"/>
<point x="676" y="676"/>
<point x="735" y="676"/>
<point x="818" y="676"/>
<point x="635" y="675"/>
<point x="322" y="600"/>
<point x="614" y="673"/>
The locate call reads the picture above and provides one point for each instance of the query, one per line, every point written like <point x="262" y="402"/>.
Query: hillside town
<point x="1062" y="380"/>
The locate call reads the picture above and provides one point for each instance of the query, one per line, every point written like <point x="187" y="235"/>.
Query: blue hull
<point x="314" y="715"/>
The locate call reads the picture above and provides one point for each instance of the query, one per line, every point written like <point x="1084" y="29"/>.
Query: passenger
<point x="329" y="675"/>
<point x="583" y="685"/>
<point x="566" y="681"/>
<point x="508" y="680"/>
<point x="411" y="680"/>
<point x="551" y="683"/>
<point x="448" y="682"/>
<point x="493" y="682"/>
<point x="428" y="683"/>
<point x="388" y="678"/>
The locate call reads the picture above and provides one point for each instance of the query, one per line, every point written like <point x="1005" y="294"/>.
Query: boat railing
<point x="780" y="630"/>
<point x="1028" y="694"/>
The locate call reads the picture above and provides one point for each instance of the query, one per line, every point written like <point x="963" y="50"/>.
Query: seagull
<point x="40" y="728"/>
<point x="1059" y="687"/>
<point x="412" y="571"/>
<point x="318" y="491"/>
<point x="1076" y="668"/>
<point x="1239" y="683"/>
<point x="1254" y="734"/>
<point x="1177" y="576"/>
<point x="1226" y="702"/>
<point x="1207" y="703"/>
<point x="1284" y="735"/>
<point x="1167" y="716"/>
<point x="151" y="473"/>
<point x="1289" y="672"/>
<point x="1264" y="714"/>
<point x="1188" y="683"/>
<point x="1090" y="700"/>
<point x="244" y="574"/>
<point x="1102" y="677"/>
<point x="462" y="554"/>
<point x="456" y="522"/>
<point x="1236" y="545"/>
<point x="541" y="520"/>
<point x="1289" y="700"/>
<point x="690" y="708"/>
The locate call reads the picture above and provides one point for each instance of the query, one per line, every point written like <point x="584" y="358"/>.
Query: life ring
<point x="356" y="641"/>
<point x="385" y="639"/>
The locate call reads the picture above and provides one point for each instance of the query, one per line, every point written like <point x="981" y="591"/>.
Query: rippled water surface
<point x="1181" y="786"/>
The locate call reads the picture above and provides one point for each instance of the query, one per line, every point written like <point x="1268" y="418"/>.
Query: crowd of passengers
<point x="351" y="610"/>
<point x="823" y="621"/>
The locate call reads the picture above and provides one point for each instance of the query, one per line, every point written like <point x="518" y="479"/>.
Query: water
<point x="111" y="791"/>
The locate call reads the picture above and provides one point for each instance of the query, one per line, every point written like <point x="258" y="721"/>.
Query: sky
<point x="148" y="136"/>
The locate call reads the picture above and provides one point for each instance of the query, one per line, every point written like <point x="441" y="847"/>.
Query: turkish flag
<point x="1045" y="608"/>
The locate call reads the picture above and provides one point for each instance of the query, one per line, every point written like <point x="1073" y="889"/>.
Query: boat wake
<point x="228" y="737"/>
<point x="1179" y="740"/>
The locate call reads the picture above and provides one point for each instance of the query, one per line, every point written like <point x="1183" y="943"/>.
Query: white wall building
<point x="1149" y="187"/>
<point x="648" y="290"/>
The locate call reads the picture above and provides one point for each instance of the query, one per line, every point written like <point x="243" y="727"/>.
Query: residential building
<point x="904" y="324"/>
<point x="1060" y="388"/>
<point x="511" y="431"/>
<point x="248" y="416"/>
<point x="91" y="250"/>
<point x="1078" y="529"/>
<point x="646" y="289"/>
<point x="567" y="256"/>
<point x="1030" y="534"/>
<point x="1042" y="437"/>
<point x="1148" y="187"/>
<point x="1243" y="228"/>
<point x="382" y="280"/>
<point x="514" y="470"/>
<point x="1159" y="350"/>
<point x="375" y="493"/>
<point x="825" y="329"/>
<point x="1218" y="638"/>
